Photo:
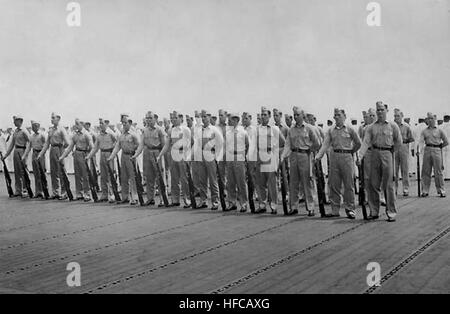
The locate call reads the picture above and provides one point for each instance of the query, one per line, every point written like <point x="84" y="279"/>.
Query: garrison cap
<point x="177" y="113"/>
<point x="57" y="115"/>
<point x="264" y="109"/>
<point x="234" y="115"/>
<point x="33" y="122"/>
<point x="339" y="110"/>
<point x="205" y="112"/>
<point x="398" y="111"/>
<point x="430" y="115"/>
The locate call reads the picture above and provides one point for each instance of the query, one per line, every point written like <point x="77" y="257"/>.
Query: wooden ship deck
<point x="123" y="249"/>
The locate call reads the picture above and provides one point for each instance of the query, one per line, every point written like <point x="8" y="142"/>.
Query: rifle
<point x="91" y="182"/>
<point x="362" y="191"/>
<point x="65" y="180"/>
<point x="283" y="187"/>
<point x="191" y="186"/>
<point x="118" y="171"/>
<point x="113" y="182"/>
<point x="95" y="175"/>
<point x="320" y="187"/>
<point x="138" y="180"/>
<point x="162" y="185"/>
<point x="221" y="188"/>
<point x="26" y="177"/>
<point x="43" y="178"/>
<point x="418" y="173"/>
<point x="7" y="177"/>
<point x="250" y="188"/>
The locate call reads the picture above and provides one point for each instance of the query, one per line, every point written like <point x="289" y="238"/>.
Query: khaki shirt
<point x="82" y="141"/>
<point x="37" y="141"/>
<point x="236" y="141"/>
<point x="433" y="136"/>
<point x="301" y="137"/>
<point x="21" y="137"/>
<point x="154" y="138"/>
<point x="106" y="140"/>
<point x="129" y="142"/>
<point x="381" y="134"/>
<point x="57" y="136"/>
<point x="342" y="138"/>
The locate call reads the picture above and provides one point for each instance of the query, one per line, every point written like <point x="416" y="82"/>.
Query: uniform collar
<point x="300" y="126"/>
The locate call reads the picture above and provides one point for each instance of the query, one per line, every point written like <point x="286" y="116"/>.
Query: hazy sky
<point x="139" y="55"/>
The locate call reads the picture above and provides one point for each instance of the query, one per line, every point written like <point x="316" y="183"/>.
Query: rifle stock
<point x="91" y="182"/>
<point x="138" y="180"/>
<point x="362" y="189"/>
<point x="43" y="178"/>
<point x="26" y="177"/>
<point x="320" y="188"/>
<point x="283" y="188"/>
<point x="65" y="180"/>
<point x="250" y="188"/>
<point x="221" y="188"/>
<point x="113" y="182"/>
<point x="418" y="173"/>
<point x="162" y="185"/>
<point x="191" y="186"/>
<point x="94" y="175"/>
<point x="7" y="177"/>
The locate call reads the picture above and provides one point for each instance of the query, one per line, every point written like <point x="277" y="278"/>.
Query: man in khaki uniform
<point x="37" y="142"/>
<point x="105" y="143"/>
<point x="128" y="142"/>
<point x="382" y="136"/>
<point x="20" y="143"/>
<point x="269" y="139"/>
<point x="301" y="142"/>
<point x="208" y="146"/>
<point x="222" y="127"/>
<point x="82" y="142"/>
<point x="237" y="148"/>
<point x="57" y="139"/>
<point x="434" y="139"/>
<point x="152" y="142"/>
<point x="446" y="149"/>
<point x="402" y="152"/>
<point x="344" y="142"/>
<point x="178" y="143"/>
<point x="252" y="153"/>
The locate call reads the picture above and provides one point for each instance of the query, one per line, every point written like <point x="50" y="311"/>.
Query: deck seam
<point x="394" y="270"/>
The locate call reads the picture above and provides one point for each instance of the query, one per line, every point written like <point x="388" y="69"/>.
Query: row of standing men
<point x="180" y="149"/>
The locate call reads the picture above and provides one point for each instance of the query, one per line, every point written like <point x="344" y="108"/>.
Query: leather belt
<point x="343" y="151"/>
<point x="37" y="150"/>
<point x="299" y="150"/>
<point x="128" y="153"/>
<point x="382" y="148"/>
<point x="82" y="150"/>
<point x="435" y="146"/>
<point x="56" y="145"/>
<point x="158" y="148"/>
<point x="20" y="147"/>
<point x="110" y="150"/>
